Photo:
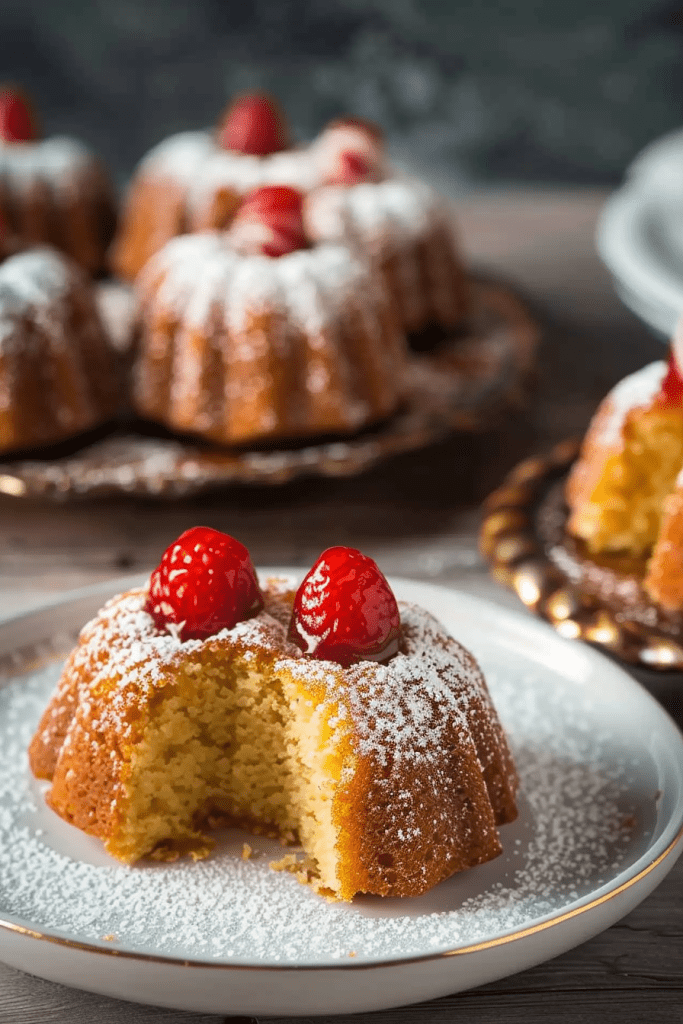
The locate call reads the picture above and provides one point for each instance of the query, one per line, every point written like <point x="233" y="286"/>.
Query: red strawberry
<point x="352" y="168"/>
<point x="672" y="386"/>
<point x="254" y="125"/>
<point x="269" y="222"/>
<point x="350" y="151"/>
<point x="17" y="123"/>
<point x="205" y="582"/>
<point x="345" y="611"/>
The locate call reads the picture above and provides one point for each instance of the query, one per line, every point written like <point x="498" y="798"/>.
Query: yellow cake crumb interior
<point x="625" y="510"/>
<point x="230" y="740"/>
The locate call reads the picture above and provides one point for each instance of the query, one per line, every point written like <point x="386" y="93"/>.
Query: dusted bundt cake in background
<point x="407" y="229"/>
<point x="249" y="335"/>
<point x="194" y="181"/>
<point x="624" y="492"/>
<point x="57" y="376"/>
<point x="53" y="191"/>
<point x="378" y="749"/>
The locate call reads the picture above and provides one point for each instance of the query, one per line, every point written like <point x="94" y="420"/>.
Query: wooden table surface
<point x="417" y="516"/>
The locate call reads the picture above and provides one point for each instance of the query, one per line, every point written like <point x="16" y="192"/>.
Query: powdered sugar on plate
<point x="587" y="812"/>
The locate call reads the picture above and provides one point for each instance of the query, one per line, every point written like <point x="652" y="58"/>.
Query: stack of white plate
<point x="640" y="235"/>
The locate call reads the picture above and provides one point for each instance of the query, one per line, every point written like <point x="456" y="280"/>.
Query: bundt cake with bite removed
<point x="251" y="335"/>
<point x="57" y="373"/>
<point x="206" y="696"/>
<point x="624" y="493"/>
<point x="407" y="229"/>
<point x="53" y="191"/>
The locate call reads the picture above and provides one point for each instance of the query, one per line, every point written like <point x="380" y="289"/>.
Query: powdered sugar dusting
<point x="633" y="391"/>
<point x="178" y="157"/>
<point x="202" y="271"/>
<point x="35" y="276"/>
<point x="243" y="172"/>
<point x="195" y="161"/>
<point x="378" y="216"/>
<point x="57" y="160"/>
<point x="407" y="706"/>
<point x="32" y="283"/>
<point x="578" y="791"/>
<point x="124" y="641"/>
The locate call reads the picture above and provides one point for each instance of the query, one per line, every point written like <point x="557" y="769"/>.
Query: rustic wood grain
<point x="418" y="516"/>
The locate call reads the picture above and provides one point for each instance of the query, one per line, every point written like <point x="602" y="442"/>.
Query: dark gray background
<point x="531" y="91"/>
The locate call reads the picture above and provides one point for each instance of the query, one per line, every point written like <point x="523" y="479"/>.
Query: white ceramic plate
<point x="640" y="235"/>
<point x="600" y="824"/>
<point x="640" y="239"/>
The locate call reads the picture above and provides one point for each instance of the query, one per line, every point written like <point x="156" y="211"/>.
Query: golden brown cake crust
<point x="55" y="192"/>
<point x="57" y="373"/>
<point x="242" y="349"/>
<point x="435" y="775"/>
<point x="154" y="213"/>
<point x="188" y="183"/>
<point x="408" y="230"/>
<point x="425" y="771"/>
<point x="664" y="578"/>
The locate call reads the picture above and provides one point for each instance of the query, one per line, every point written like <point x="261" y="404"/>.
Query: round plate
<point x="638" y="239"/>
<point x="640" y="235"/>
<point x="473" y="378"/>
<point x="522" y="538"/>
<point x="600" y="824"/>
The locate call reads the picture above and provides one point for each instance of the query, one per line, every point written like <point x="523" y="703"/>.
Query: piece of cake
<point x="623" y="492"/>
<point x="408" y="230"/>
<point x="333" y="716"/>
<point x="57" y="373"/>
<point x="53" y="191"/>
<point x="254" y="335"/>
<point x="194" y="181"/>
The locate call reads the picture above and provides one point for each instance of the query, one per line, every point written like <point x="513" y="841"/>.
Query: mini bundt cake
<point x="389" y="766"/>
<point x="57" y="375"/>
<point x="250" y="336"/>
<point x="53" y="191"/>
<point x="622" y="493"/>
<point x="408" y="229"/>
<point x="194" y="181"/>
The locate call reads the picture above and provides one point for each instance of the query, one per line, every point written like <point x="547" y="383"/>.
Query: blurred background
<point x="484" y="93"/>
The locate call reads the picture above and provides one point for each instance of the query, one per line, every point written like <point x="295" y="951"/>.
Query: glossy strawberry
<point x="253" y="125"/>
<point x="17" y="123"/>
<point x="345" y="610"/>
<point x="205" y="582"/>
<point x="269" y="222"/>
<point x="671" y="391"/>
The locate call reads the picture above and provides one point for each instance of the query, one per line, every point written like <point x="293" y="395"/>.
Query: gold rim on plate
<point x="502" y="940"/>
<point x="42" y="652"/>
